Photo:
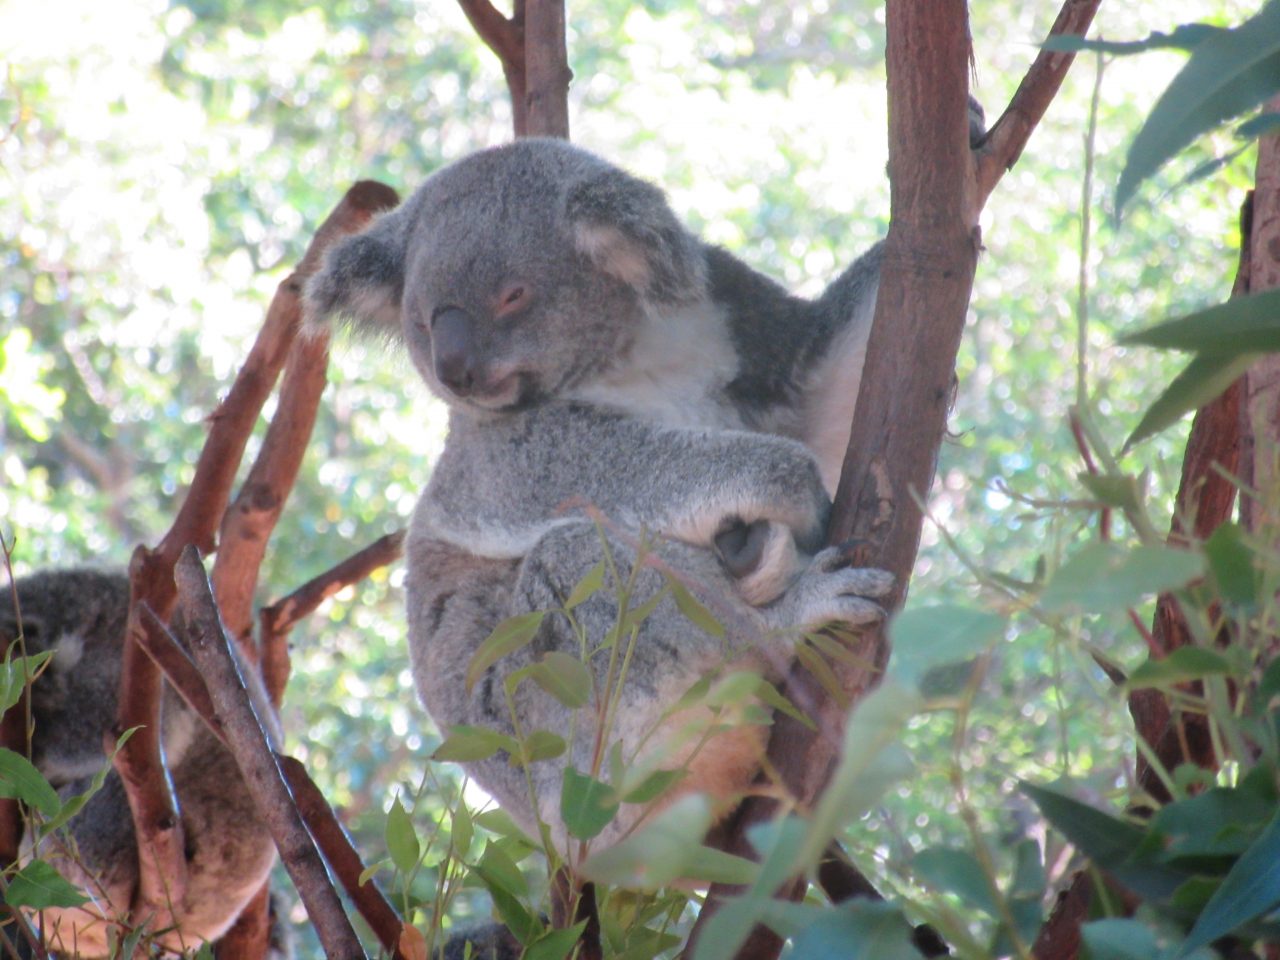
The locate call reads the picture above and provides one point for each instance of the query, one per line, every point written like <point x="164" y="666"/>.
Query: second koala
<point x="590" y="347"/>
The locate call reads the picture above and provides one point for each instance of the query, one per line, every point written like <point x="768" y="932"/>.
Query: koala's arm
<point x="757" y="499"/>
<point x="456" y="599"/>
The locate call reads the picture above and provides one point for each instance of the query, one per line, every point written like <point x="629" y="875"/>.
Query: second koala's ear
<point x="361" y="279"/>
<point x="627" y="228"/>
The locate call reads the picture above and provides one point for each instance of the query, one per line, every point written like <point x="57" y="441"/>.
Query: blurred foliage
<point x="162" y="165"/>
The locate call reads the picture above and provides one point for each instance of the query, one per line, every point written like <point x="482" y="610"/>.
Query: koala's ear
<point x="627" y="228"/>
<point x="361" y="279"/>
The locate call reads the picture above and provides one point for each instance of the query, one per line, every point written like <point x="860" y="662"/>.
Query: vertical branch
<point x="505" y="37"/>
<point x="547" y="72"/>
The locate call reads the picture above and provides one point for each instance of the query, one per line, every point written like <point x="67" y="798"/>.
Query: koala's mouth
<point x="510" y="391"/>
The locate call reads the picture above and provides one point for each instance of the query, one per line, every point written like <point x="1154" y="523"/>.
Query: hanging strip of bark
<point x="937" y="190"/>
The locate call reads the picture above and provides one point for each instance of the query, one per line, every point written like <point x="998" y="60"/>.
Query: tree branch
<point x="505" y="37"/>
<point x="256" y="757"/>
<point x="547" y="74"/>
<point x="1006" y="139"/>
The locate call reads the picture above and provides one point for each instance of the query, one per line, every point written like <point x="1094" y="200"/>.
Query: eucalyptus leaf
<point x="401" y="840"/>
<point x="1104" y="577"/>
<point x="38" y="886"/>
<point x="924" y="638"/>
<point x="1181" y="665"/>
<point x="1249" y="890"/>
<point x="564" y="677"/>
<point x="1248" y="324"/>
<point x="510" y="635"/>
<point x="1203" y="379"/>
<point x="586" y="805"/>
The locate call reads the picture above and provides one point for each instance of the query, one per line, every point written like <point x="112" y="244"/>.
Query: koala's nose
<point x="453" y="350"/>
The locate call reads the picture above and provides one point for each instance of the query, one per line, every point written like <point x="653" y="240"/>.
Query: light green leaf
<point x="586" y="805"/>
<point x="693" y="610"/>
<point x="1204" y="378"/>
<point x="554" y="944"/>
<point x="18" y="778"/>
<point x="1105" y="577"/>
<point x="1184" y="663"/>
<point x="402" y="841"/>
<point x="1116" y="939"/>
<point x="653" y="786"/>
<point x="927" y="637"/>
<point x="564" y="677"/>
<point x="659" y="851"/>
<point x="1227" y="73"/>
<point x="462" y="833"/>
<point x="39" y="886"/>
<point x="856" y="931"/>
<point x="1231" y="562"/>
<point x="465" y="744"/>
<point x="585" y="588"/>
<point x="509" y="636"/>
<point x="75" y="804"/>
<point x="1183" y="37"/>
<point x="542" y="745"/>
<point x="1240" y="325"/>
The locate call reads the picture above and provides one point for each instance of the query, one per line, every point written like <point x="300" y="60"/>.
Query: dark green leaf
<point x="402" y="841"/>
<point x="586" y="805"/>
<point x="1105" y="577"/>
<point x="1105" y="839"/>
<point x="1028" y="871"/>
<point x="1203" y="379"/>
<point x="564" y="677"/>
<point x="18" y="778"/>
<point x="1240" y="325"/>
<point x="1259" y="126"/>
<point x="1249" y="890"/>
<point x="1119" y="940"/>
<point x="501" y="872"/>
<point x="39" y="886"/>
<point x="509" y="636"/>
<point x="1227" y="73"/>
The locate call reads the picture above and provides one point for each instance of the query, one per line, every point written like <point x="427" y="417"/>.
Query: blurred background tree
<point x="164" y="164"/>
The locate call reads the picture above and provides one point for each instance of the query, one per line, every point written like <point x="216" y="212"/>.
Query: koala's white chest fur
<point x="675" y="371"/>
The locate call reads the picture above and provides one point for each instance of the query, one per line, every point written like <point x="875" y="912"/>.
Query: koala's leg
<point x="455" y="601"/>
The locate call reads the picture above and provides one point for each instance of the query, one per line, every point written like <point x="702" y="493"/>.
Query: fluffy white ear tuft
<point x="361" y="279"/>
<point x="614" y="253"/>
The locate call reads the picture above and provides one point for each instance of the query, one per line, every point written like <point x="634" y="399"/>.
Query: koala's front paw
<point x="830" y="592"/>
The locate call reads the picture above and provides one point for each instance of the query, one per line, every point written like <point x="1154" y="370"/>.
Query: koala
<point x="80" y="615"/>
<point x="591" y="348"/>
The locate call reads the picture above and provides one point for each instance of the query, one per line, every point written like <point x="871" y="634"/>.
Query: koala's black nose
<point x="453" y="350"/>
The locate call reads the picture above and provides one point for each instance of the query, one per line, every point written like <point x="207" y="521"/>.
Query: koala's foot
<point x="760" y="556"/>
<point x="830" y="592"/>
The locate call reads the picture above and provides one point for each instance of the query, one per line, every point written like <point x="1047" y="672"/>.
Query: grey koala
<point x="80" y="615"/>
<point x="591" y="348"/>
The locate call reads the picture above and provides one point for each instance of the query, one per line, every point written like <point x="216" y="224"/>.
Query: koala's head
<point x="515" y="274"/>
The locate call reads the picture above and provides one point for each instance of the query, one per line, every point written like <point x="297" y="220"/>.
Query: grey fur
<point x="229" y="851"/>
<point x="590" y="347"/>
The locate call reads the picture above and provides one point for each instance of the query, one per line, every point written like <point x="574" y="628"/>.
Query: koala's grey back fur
<point x="81" y="614"/>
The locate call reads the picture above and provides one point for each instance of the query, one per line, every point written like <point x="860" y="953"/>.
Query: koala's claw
<point x="831" y="592"/>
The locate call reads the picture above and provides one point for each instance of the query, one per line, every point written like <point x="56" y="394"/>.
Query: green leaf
<point x="654" y="786"/>
<point x="693" y="610"/>
<point x="39" y="886"/>
<point x="1204" y="378"/>
<point x="1227" y="73"/>
<point x="585" y="588"/>
<point x="1259" y="126"/>
<point x="499" y="821"/>
<point x="402" y="841"/>
<point x="554" y="944"/>
<point x="956" y="871"/>
<point x="856" y="931"/>
<point x="1219" y="822"/>
<point x="1106" y="577"/>
<point x="524" y="926"/>
<point x="18" y="778"/>
<point x="75" y="804"/>
<point x="1231" y="564"/>
<point x="1119" y="940"/>
<point x="770" y="696"/>
<point x="465" y="744"/>
<point x="1028" y="873"/>
<point x="871" y="761"/>
<point x="707" y="865"/>
<point x="923" y="638"/>
<point x="564" y="677"/>
<point x="1183" y="664"/>
<point x="510" y="635"/>
<point x="586" y="805"/>
<point x="1250" y="889"/>
<point x="501" y="872"/>
<point x="14" y="673"/>
<point x="1105" y="839"/>
<point x="542" y="745"/>
<point x="462" y="833"/>
<point x="1183" y="37"/>
<point x="658" y="852"/>
<point x="1248" y="324"/>
<point x="1119" y="490"/>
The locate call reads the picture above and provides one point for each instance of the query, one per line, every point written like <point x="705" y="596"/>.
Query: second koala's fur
<point x="590" y="347"/>
<point x="80" y="615"/>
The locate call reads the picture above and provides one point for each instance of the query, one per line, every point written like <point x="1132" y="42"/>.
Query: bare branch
<point x="547" y="74"/>
<point x="256" y="758"/>
<point x="342" y="856"/>
<point x="1007" y="138"/>
<point x="505" y="37"/>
